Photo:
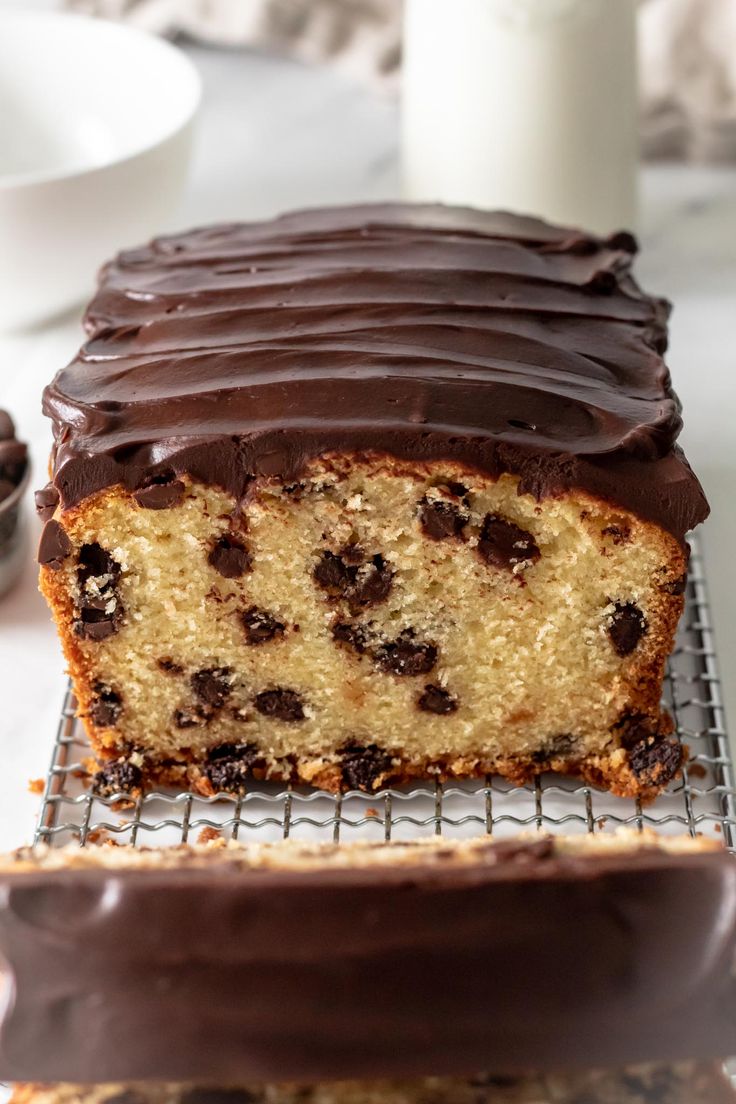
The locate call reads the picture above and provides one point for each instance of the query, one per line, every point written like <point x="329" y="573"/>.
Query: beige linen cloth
<point x="688" y="53"/>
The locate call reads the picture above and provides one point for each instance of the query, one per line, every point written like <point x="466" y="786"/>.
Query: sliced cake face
<point x="360" y="496"/>
<point x="374" y="622"/>
<point x="684" y="1083"/>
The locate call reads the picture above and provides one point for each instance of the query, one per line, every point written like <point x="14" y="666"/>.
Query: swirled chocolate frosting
<point x="422" y="332"/>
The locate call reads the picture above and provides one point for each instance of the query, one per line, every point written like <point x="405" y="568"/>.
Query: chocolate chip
<point x="100" y="610"/>
<point x="229" y="766"/>
<point x="196" y="717"/>
<point x="504" y="544"/>
<point x="47" y="499"/>
<point x="160" y="496"/>
<point x="350" y="576"/>
<point x="362" y="767"/>
<point x="118" y="777"/>
<point x="230" y="558"/>
<point x="619" y="534"/>
<point x="281" y="704"/>
<point x="655" y="759"/>
<point x="94" y="626"/>
<point x="436" y="699"/>
<point x="54" y="546"/>
<point x="260" y="626"/>
<point x="106" y="706"/>
<point x="212" y="685"/>
<point x="96" y="604"/>
<point x="354" y="636"/>
<point x="440" y="519"/>
<point x="96" y="563"/>
<point x="677" y="586"/>
<point x="406" y="656"/>
<point x="167" y="664"/>
<point x="626" y="627"/>
<point x="332" y="574"/>
<point x="372" y="583"/>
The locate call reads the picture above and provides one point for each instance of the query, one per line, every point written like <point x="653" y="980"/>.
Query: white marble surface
<point x="275" y="135"/>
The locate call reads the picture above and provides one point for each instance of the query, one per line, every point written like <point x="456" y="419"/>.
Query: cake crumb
<point x="36" y="785"/>
<point x="208" y="835"/>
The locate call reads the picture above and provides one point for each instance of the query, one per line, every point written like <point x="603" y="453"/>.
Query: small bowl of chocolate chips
<point x="15" y="471"/>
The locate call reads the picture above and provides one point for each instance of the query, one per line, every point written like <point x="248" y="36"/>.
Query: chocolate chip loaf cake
<point x="307" y="963"/>
<point x="368" y="494"/>
<point x="685" y="1083"/>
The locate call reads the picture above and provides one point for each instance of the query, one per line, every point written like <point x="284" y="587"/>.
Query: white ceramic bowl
<point x="95" y="134"/>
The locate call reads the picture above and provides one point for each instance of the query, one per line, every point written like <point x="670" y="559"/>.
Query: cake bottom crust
<point x="685" y="1083"/>
<point x="612" y="772"/>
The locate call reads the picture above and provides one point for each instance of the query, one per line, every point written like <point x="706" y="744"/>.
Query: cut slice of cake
<point x="306" y="962"/>
<point x="684" y="1083"/>
<point x="369" y="494"/>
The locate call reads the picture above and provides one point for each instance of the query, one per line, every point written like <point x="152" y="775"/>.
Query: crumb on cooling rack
<point x="209" y="835"/>
<point x="36" y="785"/>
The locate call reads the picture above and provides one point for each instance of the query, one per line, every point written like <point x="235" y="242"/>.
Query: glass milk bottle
<point x="525" y="105"/>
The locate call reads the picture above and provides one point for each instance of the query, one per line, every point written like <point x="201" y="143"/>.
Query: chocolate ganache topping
<point x="423" y="332"/>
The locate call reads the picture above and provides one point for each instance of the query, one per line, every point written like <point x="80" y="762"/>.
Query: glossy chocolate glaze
<point x="531" y="959"/>
<point x="427" y="333"/>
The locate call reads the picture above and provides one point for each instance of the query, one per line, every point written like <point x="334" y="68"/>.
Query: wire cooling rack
<point x="703" y="801"/>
